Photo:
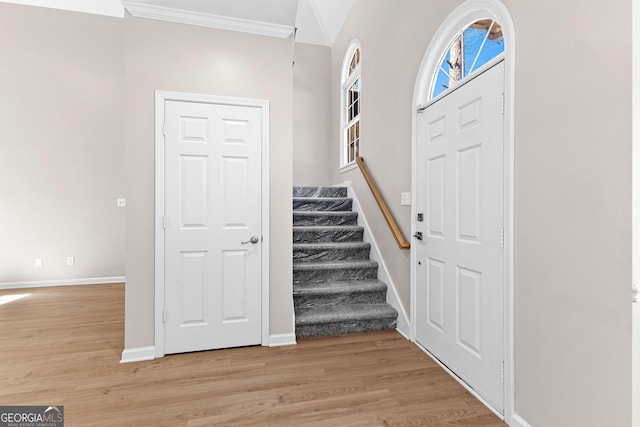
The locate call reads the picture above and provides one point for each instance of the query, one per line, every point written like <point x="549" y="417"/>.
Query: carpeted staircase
<point x="335" y="285"/>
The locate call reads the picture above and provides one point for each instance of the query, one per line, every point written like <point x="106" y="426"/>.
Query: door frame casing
<point x="635" y="217"/>
<point x="160" y="98"/>
<point x="463" y="15"/>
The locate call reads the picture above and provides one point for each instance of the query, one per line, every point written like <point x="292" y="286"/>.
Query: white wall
<point x="572" y="187"/>
<point x="311" y="114"/>
<point x="62" y="147"/>
<point x="183" y="58"/>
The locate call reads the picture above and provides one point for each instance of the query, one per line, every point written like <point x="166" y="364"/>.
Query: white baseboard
<point x="138" y="354"/>
<point x="393" y="299"/>
<point x="277" y="340"/>
<point x="67" y="282"/>
<point x="518" y="421"/>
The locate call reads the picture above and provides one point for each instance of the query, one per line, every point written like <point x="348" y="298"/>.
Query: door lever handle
<point x="253" y="239"/>
<point x="418" y="235"/>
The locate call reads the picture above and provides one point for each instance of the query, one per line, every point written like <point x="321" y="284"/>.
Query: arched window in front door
<point x="476" y="45"/>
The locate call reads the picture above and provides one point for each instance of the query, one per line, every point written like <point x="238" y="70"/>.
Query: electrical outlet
<point x="71" y="260"/>
<point x="121" y="203"/>
<point x="37" y="262"/>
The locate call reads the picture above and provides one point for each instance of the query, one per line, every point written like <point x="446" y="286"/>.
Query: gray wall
<point x="572" y="184"/>
<point x="183" y="58"/>
<point x="573" y="213"/>
<point x="61" y="146"/>
<point x="311" y="115"/>
<point x="393" y="38"/>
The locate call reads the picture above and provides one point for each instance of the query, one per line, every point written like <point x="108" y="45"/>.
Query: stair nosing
<point x="333" y="213"/>
<point x="328" y="198"/>
<point x="328" y="227"/>
<point x="334" y="264"/>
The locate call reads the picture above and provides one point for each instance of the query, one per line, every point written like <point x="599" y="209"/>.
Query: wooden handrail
<point x="395" y="230"/>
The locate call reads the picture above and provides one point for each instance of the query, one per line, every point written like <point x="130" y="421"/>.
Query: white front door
<point x="213" y="234"/>
<point x="460" y="261"/>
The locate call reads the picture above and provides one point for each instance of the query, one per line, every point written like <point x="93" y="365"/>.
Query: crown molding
<point x="142" y="10"/>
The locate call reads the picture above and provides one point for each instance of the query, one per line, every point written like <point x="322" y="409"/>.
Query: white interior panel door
<point x="213" y="226"/>
<point x="460" y="261"/>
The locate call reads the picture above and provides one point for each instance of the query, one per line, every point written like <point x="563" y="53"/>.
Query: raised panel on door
<point x="234" y="287"/>
<point x="469" y="311"/>
<point x="469" y="194"/>
<point x="194" y="192"/>
<point x="436" y="209"/>
<point x="435" y="294"/>
<point x="192" y="288"/>
<point x="235" y="203"/>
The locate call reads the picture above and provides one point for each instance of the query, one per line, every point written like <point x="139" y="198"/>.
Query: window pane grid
<point x="352" y="146"/>
<point x="353" y="100"/>
<point x="355" y="60"/>
<point x="472" y="47"/>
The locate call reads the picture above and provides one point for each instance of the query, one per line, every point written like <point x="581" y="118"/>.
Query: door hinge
<point x="502" y="108"/>
<point x="164" y="128"/>
<point x="165" y="315"/>
<point x="635" y="292"/>
<point x="502" y="237"/>
<point x="164" y="222"/>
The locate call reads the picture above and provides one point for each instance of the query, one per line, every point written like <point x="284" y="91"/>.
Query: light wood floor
<point x="62" y="346"/>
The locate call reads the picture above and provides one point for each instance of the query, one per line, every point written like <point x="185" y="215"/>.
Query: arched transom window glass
<point x="473" y="47"/>
<point x="351" y="86"/>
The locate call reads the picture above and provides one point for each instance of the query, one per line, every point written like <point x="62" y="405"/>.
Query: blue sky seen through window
<point x="482" y="41"/>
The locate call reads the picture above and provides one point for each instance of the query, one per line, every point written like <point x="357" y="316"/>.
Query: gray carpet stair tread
<point x="334" y="265"/>
<point x="348" y="286"/>
<point x="331" y="245"/>
<point x="317" y="228"/>
<point x="325" y="213"/>
<point x="322" y="191"/>
<point x="318" y="199"/>
<point x="351" y="312"/>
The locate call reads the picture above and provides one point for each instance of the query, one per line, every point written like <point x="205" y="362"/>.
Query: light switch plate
<point x="121" y="203"/>
<point x="405" y="198"/>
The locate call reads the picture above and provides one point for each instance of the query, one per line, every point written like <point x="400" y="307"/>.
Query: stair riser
<point x="303" y="303"/>
<point x="305" y="255"/>
<point x="333" y="205"/>
<point x="325" y="236"/>
<point x="306" y="219"/>
<point x="341" y="274"/>
<point x="319" y="191"/>
<point x="349" y="327"/>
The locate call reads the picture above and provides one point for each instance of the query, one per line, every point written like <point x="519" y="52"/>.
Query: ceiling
<point x="316" y="21"/>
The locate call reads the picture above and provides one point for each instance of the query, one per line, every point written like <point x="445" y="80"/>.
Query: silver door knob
<point x="253" y="239"/>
